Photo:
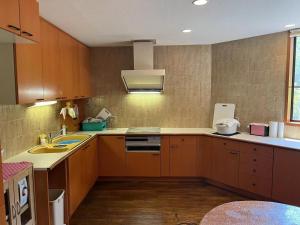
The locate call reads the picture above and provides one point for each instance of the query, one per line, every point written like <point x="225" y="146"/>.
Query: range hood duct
<point x="143" y="78"/>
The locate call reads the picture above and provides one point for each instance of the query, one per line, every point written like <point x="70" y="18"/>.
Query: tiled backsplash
<point x="20" y="126"/>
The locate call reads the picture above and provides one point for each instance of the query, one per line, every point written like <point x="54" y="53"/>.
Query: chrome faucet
<point x="53" y="135"/>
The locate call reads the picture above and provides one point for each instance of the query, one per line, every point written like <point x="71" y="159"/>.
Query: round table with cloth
<point x="253" y="213"/>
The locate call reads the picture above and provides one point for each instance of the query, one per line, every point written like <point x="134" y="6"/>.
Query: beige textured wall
<point x="20" y="126"/>
<point x="251" y="73"/>
<point x="187" y="96"/>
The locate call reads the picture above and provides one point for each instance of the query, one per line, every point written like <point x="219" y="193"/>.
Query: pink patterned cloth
<point x="253" y="213"/>
<point x="11" y="169"/>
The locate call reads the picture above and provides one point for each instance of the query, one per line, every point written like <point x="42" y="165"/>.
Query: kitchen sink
<point x="71" y="139"/>
<point x="61" y="144"/>
<point x="49" y="149"/>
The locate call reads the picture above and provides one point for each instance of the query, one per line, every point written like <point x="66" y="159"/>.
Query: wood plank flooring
<point x="149" y="203"/>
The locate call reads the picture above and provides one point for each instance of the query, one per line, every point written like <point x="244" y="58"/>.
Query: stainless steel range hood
<point x="143" y="78"/>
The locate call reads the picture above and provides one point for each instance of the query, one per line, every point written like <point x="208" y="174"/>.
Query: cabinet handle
<point x="13" y="27"/>
<point x="234" y="153"/>
<point x="155" y="154"/>
<point x="224" y="143"/>
<point x="120" y="138"/>
<point x="253" y="184"/>
<point x="86" y="147"/>
<point x="254" y="160"/>
<point x="27" y="33"/>
<point x="18" y="208"/>
<point x="40" y="99"/>
<point x="254" y="170"/>
<point x="14" y="212"/>
<point x="254" y="149"/>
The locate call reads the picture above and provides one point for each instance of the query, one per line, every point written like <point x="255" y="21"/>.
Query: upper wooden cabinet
<point x="112" y="156"/>
<point x="50" y="60"/>
<point x="9" y="16"/>
<point x="183" y="156"/>
<point x="85" y="86"/>
<point x="286" y="176"/>
<point x="29" y="73"/>
<point x="30" y="19"/>
<point x="69" y="68"/>
<point x="21" y="17"/>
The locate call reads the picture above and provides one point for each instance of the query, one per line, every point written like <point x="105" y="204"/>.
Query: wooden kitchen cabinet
<point x="165" y="156"/>
<point x="112" y="156"/>
<point x="205" y="156"/>
<point x="83" y="173"/>
<point x="183" y="156"/>
<point x="143" y="164"/>
<point x="68" y="67"/>
<point x="28" y="58"/>
<point x="286" y="176"/>
<point x="225" y="165"/>
<point x="255" y="169"/>
<point x="21" y="17"/>
<point x="50" y="60"/>
<point x="85" y="87"/>
<point x="9" y="16"/>
<point x="30" y="19"/>
<point x="2" y="206"/>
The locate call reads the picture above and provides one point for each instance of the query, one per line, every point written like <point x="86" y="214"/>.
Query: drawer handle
<point x="86" y="147"/>
<point x="27" y="33"/>
<point x="254" y="149"/>
<point x="234" y="153"/>
<point x="40" y="99"/>
<point x="155" y="154"/>
<point x="254" y="170"/>
<point x="253" y="184"/>
<point x="254" y="160"/>
<point x="120" y="138"/>
<point x="14" y="212"/>
<point x="13" y="27"/>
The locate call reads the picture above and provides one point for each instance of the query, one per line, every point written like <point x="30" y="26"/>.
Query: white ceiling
<point x="114" y="22"/>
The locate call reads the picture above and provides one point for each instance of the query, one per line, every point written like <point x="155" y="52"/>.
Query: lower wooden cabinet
<point x="225" y="165"/>
<point x="143" y="164"/>
<point x="286" y="176"/>
<point x="205" y="156"/>
<point x="255" y="170"/>
<point x="83" y="173"/>
<point x="183" y="156"/>
<point x="112" y="156"/>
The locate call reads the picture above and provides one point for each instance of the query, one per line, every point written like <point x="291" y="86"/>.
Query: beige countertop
<point x="50" y="160"/>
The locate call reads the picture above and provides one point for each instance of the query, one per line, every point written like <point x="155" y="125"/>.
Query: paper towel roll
<point x="280" y="132"/>
<point x="273" y="129"/>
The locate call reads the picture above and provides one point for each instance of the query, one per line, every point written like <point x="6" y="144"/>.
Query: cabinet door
<point x="91" y="158"/>
<point x="29" y="73"/>
<point x="25" y="211"/>
<point x="85" y="71"/>
<point x="50" y="60"/>
<point x="286" y="176"/>
<point x="112" y="156"/>
<point x="30" y="19"/>
<point x="225" y="166"/>
<point x="77" y="187"/>
<point x="9" y="16"/>
<point x="255" y="170"/>
<point x="68" y="66"/>
<point x="205" y="156"/>
<point x="143" y="164"/>
<point x="183" y="156"/>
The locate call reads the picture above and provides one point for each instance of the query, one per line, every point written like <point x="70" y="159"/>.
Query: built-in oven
<point x="143" y="143"/>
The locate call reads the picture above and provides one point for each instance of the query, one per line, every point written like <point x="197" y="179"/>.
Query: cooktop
<point x="143" y="130"/>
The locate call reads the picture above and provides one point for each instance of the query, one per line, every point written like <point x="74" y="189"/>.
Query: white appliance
<point x="227" y="126"/>
<point x="223" y="111"/>
<point x="143" y="78"/>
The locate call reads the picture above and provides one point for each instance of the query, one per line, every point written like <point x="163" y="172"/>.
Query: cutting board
<point x="222" y="111"/>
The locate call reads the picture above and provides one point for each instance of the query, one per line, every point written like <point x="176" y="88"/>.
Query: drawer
<point x="256" y="184"/>
<point x="263" y="170"/>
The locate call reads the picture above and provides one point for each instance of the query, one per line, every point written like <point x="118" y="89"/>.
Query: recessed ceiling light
<point x="187" y="31"/>
<point x="200" y="2"/>
<point x="290" y="25"/>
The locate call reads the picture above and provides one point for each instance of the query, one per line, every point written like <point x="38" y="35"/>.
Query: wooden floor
<point x="149" y="203"/>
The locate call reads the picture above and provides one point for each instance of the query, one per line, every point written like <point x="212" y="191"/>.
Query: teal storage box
<point x="93" y="126"/>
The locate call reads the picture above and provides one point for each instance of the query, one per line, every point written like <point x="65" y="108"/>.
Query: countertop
<point x="49" y="161"/>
